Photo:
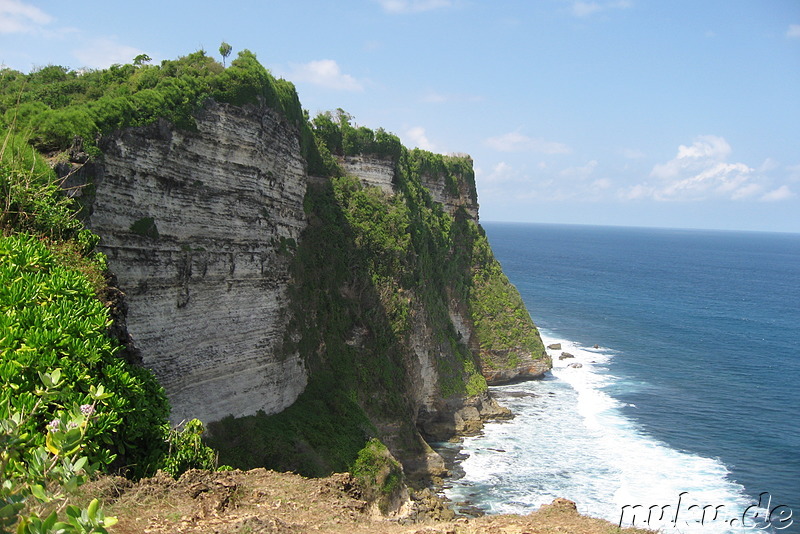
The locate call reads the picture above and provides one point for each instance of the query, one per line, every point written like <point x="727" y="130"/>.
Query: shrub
<point x="377" y="473"/>
<point x="32" y="198"/>
<point x="51" y="318"/>
<point x="187" y="451"/>
<point x="37" y="478"/>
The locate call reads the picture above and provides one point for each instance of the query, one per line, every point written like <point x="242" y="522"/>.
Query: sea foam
<point x="571" y="438"/>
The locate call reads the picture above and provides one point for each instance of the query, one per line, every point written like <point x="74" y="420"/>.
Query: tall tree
<point x="225" y="51"/>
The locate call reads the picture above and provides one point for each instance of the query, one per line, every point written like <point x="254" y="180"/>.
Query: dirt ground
<point x="261" y="501"/>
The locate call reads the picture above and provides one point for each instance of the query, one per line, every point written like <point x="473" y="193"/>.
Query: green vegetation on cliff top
<point x="53" y="105"/>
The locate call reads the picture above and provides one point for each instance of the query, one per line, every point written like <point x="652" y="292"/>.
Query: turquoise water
<point x="691" y="394"/>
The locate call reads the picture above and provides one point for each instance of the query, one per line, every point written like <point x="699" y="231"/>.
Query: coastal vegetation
<point x="53" y="105"/>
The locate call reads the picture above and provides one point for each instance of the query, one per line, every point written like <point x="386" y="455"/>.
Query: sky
<point x="678" y="113"/>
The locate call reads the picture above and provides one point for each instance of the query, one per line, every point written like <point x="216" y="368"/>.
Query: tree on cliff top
<point x="225" y="51"/>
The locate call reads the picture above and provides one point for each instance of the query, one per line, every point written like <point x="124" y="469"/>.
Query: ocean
<point x="683" y="414"/>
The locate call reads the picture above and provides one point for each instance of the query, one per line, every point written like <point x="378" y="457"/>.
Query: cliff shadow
<point x="345" y="325"/>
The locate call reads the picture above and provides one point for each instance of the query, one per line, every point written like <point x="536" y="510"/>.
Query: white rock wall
<point x="374" y="172"/>
<point x="377" y="172"/>
<point x="207" y="298"/>
<point x="450" y="202"/>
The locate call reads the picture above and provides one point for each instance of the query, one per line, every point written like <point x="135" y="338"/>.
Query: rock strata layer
<point x="196" y="226"/>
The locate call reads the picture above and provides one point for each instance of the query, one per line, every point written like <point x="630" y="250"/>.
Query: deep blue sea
<point x="690" y="401"/>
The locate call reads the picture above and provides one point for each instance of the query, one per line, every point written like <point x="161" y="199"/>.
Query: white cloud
<point x="781" y="193"/>
<point x="582" y="172"/>
<point x="704" y="151"/>
<point x="517" y="142"/>
<point x="419" y="138"/>
<point x="501" y="172"/>
<point x="768" y="165"/>
<point x="19" y="17"/>
<point x="504" y="181"/>
<point x="602" y="183"/>
<point x="325" y="73"/>
<point x="413" y="6"/>
<point x="746" y="191"/>
<point x="637" y="192"/>
<point x="586" y="9"/>
<point x="103" y="52"/>
<point x="700" y="171"/>
<point x="793" y="32"/>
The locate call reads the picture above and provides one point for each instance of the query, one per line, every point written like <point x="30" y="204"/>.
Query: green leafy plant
<point x="187" y="450"/>
<point x="54" y="105"/>
<point x="224" y="51"/>
<point x="51" y="318"/>
<point x="378" y="474"/>
<point x="145" y="227"/>
<point x="30" y="196"/>
<point x="38" y="479"/>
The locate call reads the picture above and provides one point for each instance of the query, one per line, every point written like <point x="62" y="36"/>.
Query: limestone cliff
<point x="194" y="224"/>
<point x="500" y="362"/>
<point x="304" y="314"/>
<point x="452" y="192"/>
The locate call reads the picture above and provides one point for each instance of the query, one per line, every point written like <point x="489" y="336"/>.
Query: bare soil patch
<point x="262" y="501"/>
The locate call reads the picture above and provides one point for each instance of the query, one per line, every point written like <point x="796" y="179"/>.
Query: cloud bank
<point x="18" y="17"/>
<point x="701" y="171"/>
<point x="325" y="73"/>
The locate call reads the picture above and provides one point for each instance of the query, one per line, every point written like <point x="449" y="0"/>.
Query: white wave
<point x="571" y="439"/>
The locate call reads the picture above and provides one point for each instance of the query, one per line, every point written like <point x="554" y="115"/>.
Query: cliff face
<point x="500" y="363"/>
<point x="195" y="226"/>
<point x="439" y="415"/>
<point x="253" y="288"/>
<point x="460" y="192"/>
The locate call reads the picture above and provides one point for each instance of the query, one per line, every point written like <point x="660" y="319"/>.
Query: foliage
<point x="341" y="138"/>
<point x="321" y="433"/>
<point x="31" y="197"/>
<point x="377" y="473"/>
<point x="187" y="451"/>
<point x="141" y="59"/>
<point x="39" y="472"/>
<point x="51" y="318"/>
<point x="145" y="227"/>
<point x="224" y="51"/>
<point x="502" y="323"/>
<point x="54" y="105"/>
<point x="366" y="266"/>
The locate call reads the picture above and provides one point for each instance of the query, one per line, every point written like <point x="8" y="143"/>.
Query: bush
<point x="33" y="200"/>
<point x="187" y="451"/>
<point x="54" y="105"/>
<point x="37" y="479"/>
<point x="52" y="318"/>
<point x="377" y="473"/>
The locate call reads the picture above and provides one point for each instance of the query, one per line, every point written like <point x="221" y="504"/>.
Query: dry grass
<point x="261" y="501"/>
